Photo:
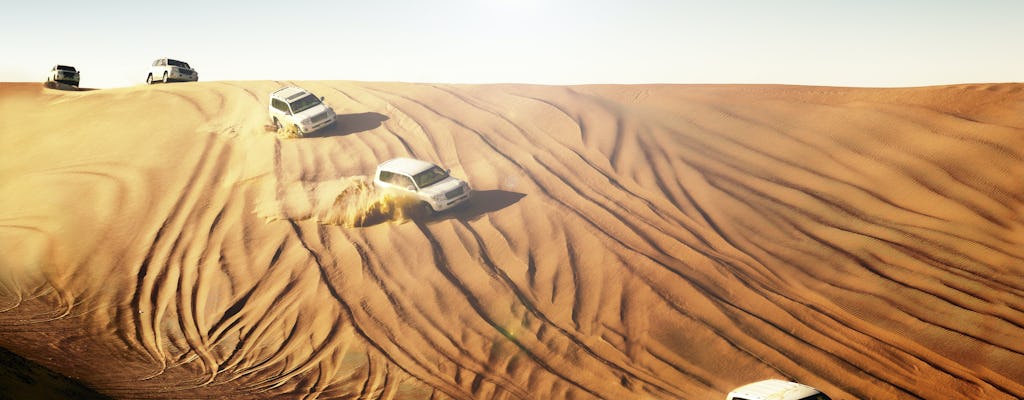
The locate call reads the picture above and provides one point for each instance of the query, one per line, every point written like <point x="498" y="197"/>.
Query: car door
<point x="158" y="69"/>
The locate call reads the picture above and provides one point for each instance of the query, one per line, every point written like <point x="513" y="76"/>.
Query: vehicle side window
<point x="401" y="180"/>
<point x="279" y="105"/>
<point x="385" y="176"/>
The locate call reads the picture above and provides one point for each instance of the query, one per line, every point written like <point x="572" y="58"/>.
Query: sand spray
<point x="349" y="202"/>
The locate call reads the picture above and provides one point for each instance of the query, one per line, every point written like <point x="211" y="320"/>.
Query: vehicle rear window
<point x="65" y="68"/>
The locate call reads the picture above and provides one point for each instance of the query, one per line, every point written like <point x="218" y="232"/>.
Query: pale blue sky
<point x="826" y="42"/>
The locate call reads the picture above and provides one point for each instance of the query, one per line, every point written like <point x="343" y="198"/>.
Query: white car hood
<point x="444" y="186"/>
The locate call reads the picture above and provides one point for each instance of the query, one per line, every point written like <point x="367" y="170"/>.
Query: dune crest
<point x="626" y="241"/>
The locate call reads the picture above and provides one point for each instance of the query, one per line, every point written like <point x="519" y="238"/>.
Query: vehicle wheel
<point x="277" y="124"/>
<point x="165" y="77"/>
<point x="149" y="79"/>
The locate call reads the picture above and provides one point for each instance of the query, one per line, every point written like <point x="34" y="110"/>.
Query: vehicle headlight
<point x="307" y="121"/>
<point x="439" y="197"/>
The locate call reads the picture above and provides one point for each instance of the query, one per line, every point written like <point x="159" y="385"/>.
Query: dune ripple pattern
<point x="623" y="242"/>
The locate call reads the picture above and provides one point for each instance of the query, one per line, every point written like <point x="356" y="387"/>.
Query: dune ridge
<point x="624" y="241"/>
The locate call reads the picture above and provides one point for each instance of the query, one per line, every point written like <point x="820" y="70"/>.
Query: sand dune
<point x="625" y="242"/>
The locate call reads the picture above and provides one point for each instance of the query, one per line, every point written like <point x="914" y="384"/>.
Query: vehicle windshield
<point x="305" y="103"/>
<point x="65" y="68"/>
<point x="430" y="177"/>
<point x="177" y="63"/>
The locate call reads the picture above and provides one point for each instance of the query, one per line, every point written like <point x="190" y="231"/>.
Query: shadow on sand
<point x="347" y="124"/>
<point x="24" y="379"/>
<point x="65" y="87"/>
<point x="482" y="202"/>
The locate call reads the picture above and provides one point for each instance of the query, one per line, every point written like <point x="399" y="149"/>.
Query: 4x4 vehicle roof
<point x="405" y="165"/>
<point x="289" y="93"/>
<point x="776" y="388"/>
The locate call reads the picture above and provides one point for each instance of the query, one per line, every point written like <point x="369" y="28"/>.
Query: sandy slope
<point x="626" y="242"/>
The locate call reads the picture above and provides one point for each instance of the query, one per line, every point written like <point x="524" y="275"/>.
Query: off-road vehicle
<point x="435" y="188"/>
<point x="65" y="74"/>
<point x="775" y="389"/>
<point x="171" y="70"/>
<point x="296" y="108"/>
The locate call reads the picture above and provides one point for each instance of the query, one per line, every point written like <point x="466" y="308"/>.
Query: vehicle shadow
<point x="347" y="124"/>
<point x="65" y="87"/>
<point x="483" y="202"/>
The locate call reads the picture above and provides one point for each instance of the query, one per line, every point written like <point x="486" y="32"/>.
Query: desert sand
<point x="624" y="241"/>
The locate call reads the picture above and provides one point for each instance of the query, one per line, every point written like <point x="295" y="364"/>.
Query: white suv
<point x="775" y="389"/>
<point x="170" y="70"/>
<point x="298" y="108"/>
<point x="65" y="74"/>
<point x="436" y="189"/>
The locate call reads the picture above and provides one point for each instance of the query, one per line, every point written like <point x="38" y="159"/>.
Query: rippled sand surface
<point x="624" y="242"/>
